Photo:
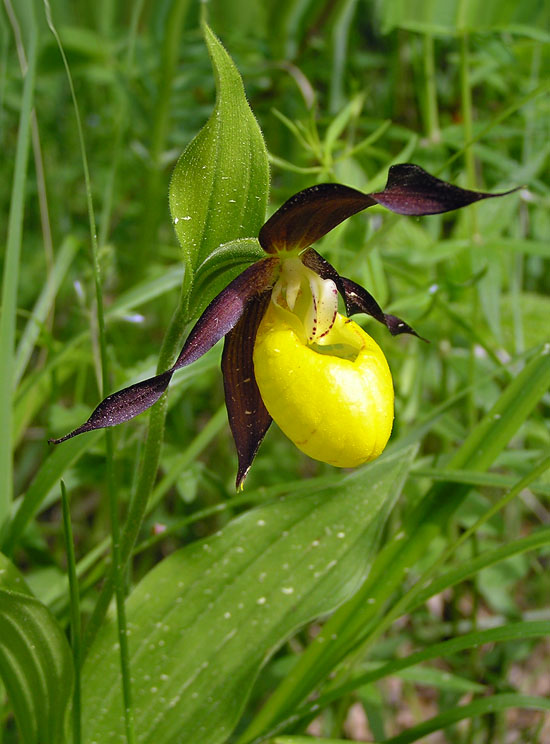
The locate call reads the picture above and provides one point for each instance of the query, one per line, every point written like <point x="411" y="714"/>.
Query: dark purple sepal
<point x="247" y="414"/>
<point x="124" y="405"/>
<point x="219" y="318"/>
<point x="310" y="214"/>
<point x="225" y="310"/>
<point x="411" y="190"/>
<point x="356" y="297"/>
<point x="358" y="300"/>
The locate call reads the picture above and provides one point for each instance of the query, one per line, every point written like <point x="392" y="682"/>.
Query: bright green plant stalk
<point x="76" y="637"/>
<point x="117" y="569"/>
<point x="189" y="455"/>
<point x="10" y="277"/>
<point x="119" y="589"/>
<point x="155" y="433"/>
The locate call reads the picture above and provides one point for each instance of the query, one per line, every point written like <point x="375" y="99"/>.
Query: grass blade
<point x="10" y="277"/>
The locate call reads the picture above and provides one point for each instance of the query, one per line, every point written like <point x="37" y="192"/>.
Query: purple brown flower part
<point x="303" y="286"/>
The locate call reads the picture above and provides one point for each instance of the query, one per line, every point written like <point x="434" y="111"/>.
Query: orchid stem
<point x="430" y="106"/>
<point x="120" y="593"/>
<point x="117" y="568"/>
<point x="75" y="625"/>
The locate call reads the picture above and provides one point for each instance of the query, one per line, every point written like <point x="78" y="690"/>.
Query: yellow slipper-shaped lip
<point x="334" y="400"/>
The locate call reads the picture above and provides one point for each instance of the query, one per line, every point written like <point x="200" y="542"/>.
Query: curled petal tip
<point x="241" y="477"/>
<point x="410" y="190"/>
<point x="396" y="326"/>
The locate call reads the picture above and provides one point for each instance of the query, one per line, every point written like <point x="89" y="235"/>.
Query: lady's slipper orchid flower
<point x="289" y="355"/>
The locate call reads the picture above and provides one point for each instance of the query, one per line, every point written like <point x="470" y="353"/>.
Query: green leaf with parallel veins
<point x="11" y="579"/>
<point x="220" y="184"/>
<point x="202" y="623"/>
<point x="220" y="268"/>
<point x="36" y="667"/>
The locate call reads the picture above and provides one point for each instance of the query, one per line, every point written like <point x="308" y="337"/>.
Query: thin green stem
<point x="76" y="636"/>
<point x="120" y="594"/>
<point x="107" y="207"/>
<point x="189" y="455"/>
<point x="118" y="566"/>
<point x="149" y="464"/>
<point x="170" y="51"/>
<point x="467" y="117"/>
<point x="431" y="109"/>
<point x="10" y="279"/>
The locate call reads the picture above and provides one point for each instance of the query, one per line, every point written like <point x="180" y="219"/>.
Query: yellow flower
<point x="289" y="355"/>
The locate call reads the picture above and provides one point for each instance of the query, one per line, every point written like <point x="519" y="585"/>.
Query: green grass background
<point x="342" y="89"/>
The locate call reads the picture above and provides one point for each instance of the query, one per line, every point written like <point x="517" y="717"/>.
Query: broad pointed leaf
<point x="220" y="184"/>
<point x="36" y="667"/>
<point x="204" y="621"/>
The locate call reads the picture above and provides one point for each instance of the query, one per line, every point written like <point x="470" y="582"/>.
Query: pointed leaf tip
<point x="410" y="190"/>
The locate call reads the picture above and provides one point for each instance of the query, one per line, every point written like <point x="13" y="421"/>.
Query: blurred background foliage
<point x="342" y="89"/>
